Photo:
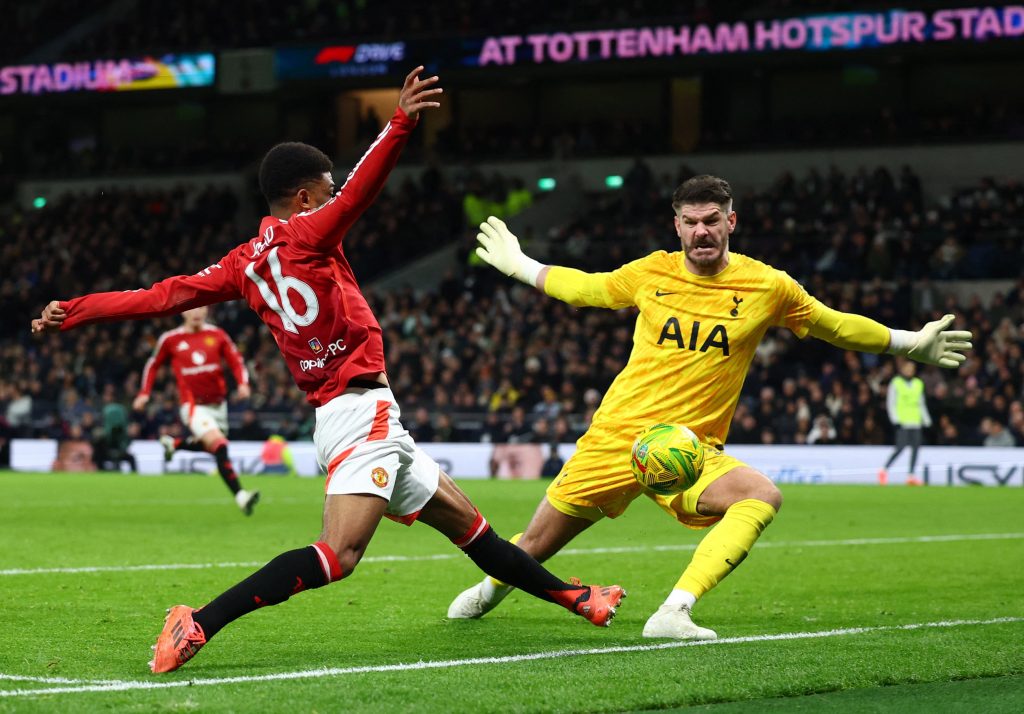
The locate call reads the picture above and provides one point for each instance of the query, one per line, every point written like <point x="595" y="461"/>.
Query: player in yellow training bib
<point x="703" y="312"/>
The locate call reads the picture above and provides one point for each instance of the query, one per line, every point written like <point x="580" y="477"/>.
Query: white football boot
<point x="167" y="442"/>
<point x="246" y="500"/>
<point x="674" y="622"/>
<point x="478" y="600"/>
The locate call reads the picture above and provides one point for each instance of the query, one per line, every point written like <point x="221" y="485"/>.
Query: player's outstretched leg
<point x="217" y="444"/>
<point x="452" y="513"/>
<point x="548" y="532"/>
<point x="349" y="523"/>
<point x="748" y="502"/>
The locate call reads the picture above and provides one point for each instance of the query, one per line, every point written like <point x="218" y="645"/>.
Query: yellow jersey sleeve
<point x="795" y="308"/>
<point x="615" y="290"/>
<point x="850" y="332"/>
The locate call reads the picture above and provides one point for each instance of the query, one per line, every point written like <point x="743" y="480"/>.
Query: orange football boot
<point x="179" y="641"/>
<point x="598" y="603"/>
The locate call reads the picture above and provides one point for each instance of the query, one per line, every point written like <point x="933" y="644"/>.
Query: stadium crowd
<point x="482" y="359"/>
<point x="190" y="24"/>
<point x="50" y="147"/>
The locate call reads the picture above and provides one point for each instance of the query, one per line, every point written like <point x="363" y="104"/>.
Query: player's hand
<point x="416" y="93"/>
<point x="243" y="391"/>
<point x="938" y="346"/>
<point x="50" y="319"/>
<point x="140" y="402"/>
<point x="499" y="247"/>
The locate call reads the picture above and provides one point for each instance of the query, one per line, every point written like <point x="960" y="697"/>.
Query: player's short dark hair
<point x="702" y="189"/>
<point x="288" y="167"/>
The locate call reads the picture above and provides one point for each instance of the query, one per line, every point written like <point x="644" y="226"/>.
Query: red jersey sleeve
<point x="214" y="284"/>
<point x="160" y="355"/>
<point x="234" y="359"/>
<point x="324" y="227"/>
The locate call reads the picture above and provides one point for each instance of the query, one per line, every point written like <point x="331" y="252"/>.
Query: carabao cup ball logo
<point x="667" y="458"/>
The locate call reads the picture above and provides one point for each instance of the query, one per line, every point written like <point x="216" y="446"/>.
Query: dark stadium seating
<point x="481" y="358"/>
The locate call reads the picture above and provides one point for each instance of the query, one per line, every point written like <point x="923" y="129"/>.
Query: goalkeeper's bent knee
<point x="726" y="545"/>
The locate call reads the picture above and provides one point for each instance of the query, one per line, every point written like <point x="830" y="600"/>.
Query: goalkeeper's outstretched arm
<point x="499" y="247"/>
<point x="933" y="344"/>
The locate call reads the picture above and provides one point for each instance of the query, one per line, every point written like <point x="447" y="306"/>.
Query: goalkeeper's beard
<point x="705" y="252"/>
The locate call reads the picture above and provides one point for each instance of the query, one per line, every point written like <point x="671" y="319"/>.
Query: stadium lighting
<point x="39" y="201"/>
<point x="546" y="184"/>
<point x="613" y="181"/>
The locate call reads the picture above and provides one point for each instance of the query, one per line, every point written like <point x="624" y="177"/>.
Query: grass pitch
<point x="856" y="599"/>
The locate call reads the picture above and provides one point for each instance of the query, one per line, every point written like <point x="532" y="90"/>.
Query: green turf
<point x="98" y="626"/>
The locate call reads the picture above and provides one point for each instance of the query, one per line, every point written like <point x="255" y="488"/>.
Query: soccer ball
<point x="667" y="458"/>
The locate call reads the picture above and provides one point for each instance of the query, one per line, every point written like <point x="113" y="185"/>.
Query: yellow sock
<point x="494" y="581"/>
<point x="726" y="545"/>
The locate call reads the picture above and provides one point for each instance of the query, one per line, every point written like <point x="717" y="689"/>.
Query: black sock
<point x="513" y="565"/>
<point x="227" y="471"/>
<point x="189" y="444"/>
<point x="284" y="576"/>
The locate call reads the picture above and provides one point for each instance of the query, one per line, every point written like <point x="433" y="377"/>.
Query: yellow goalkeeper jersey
<point x="693" y="342"/>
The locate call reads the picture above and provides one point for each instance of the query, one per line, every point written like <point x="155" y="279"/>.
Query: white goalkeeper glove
<point x="500" y="248"/>
<point x="932" y="344"/>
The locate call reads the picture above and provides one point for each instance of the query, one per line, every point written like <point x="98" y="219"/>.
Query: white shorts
<point x="201" y="418"/>
<point x="364" y="448"/>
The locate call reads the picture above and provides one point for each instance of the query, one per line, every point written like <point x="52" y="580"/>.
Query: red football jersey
<point x="294" y="275"/>
<point x="196" y="359"/>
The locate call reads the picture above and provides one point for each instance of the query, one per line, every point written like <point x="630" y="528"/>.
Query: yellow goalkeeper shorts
<point x="597" y="483"/>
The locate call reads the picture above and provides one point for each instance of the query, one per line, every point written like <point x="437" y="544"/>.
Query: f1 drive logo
<point x="360" y="54"/>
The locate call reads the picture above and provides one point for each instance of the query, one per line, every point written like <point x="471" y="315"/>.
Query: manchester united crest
<point x="380" y="477"/>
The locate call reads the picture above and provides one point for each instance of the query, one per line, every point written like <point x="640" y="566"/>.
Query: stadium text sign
<point x="840" y="31"/>
<point x="368" y="59"/>
<point x="938" y="465"/>
<point x="112" y="75"/>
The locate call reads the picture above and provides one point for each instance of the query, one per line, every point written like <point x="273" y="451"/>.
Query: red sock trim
<point x="217" y="444"/>
<point x="476" y="530"/>
<point x="328" y="561"/>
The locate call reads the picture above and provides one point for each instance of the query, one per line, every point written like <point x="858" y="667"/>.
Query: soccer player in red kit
<point x="196" y="351"/>
<point x="295" y="276"/>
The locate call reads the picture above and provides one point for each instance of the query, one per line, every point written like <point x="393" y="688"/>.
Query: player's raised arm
<point x="329" y="223"/>
<point x="499" y="247"/>
<point x="933" y="344"/>
<point x="804" y="315"/>
<point x="168" y="297"/>
<point x="160" y="355"/>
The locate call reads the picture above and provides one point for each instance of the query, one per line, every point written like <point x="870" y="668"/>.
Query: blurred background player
<point x="908" y="412"/>
<point x="294" y="275"/>
<point x="197" y="352"/>
<point x="703" y="312"/>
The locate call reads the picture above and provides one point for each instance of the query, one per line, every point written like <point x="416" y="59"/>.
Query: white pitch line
<point x="121" y="685"/>
<point x="568" y="551"/>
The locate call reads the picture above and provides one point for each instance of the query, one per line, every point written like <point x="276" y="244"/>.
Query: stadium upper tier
<point x="136" y="26"/>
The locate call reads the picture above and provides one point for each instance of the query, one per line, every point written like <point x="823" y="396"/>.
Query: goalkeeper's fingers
<point x="497" y="224"/>
<point x="951" y="360"/>
<point x="485" y="240"/>
<point x="484" y="255"/>
<point x="490" y="231"/>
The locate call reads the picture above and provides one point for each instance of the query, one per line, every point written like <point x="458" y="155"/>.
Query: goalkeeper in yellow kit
<point x="702" y="313"/>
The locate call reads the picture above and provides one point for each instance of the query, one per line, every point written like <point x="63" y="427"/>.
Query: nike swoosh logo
<point x="658" y="293"/>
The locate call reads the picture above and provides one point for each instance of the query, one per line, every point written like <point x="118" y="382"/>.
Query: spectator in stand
<point x="517" y="430"/>
<point x="996" y="434"/>
<point x="250" y="429"/>
<point x="823" y="432"/>
<point x="553" y="463"/>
